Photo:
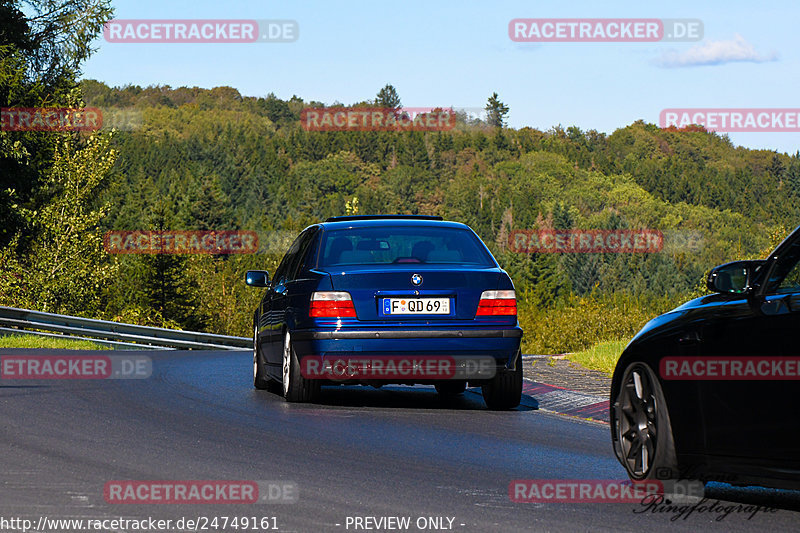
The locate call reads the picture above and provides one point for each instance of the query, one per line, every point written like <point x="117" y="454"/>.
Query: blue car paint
<point x="285" y="307"/>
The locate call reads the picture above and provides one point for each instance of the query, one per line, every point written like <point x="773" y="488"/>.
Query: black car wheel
<point x="451" y="388"/>
<point x="260" y="379"/>
<point x="504" y="390"/>
<point x="644" y="434"/>
<point x="296" y="388"/>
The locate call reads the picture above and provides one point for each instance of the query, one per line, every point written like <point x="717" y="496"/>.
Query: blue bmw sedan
<point x="373" y="300"/>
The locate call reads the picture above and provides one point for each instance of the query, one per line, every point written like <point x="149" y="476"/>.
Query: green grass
<point x="602" y="356"/>
<point x="578" y="323"/>
<point x="41" y="342"/>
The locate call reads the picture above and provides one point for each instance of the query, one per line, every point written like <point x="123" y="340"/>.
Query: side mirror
<point x="734" y="278"/>
<point x="257" y="278"/>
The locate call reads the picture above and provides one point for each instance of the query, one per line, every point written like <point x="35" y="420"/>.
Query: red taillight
<point x="331" y="304"/>
<point x="496" y="303"/>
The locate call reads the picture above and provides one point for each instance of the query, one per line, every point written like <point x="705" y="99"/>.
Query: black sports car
<point x="709" y="390"/>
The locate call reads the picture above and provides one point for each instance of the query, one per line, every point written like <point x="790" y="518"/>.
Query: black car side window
<point x="791" y="283"/>
<point x="298" y="250"/>
<point x="280" y="273"/>
<point x="303" y="254"/>
<point x="785" y="277"/>
<point x="293" y="261"/>
<point x="284" y="269"/>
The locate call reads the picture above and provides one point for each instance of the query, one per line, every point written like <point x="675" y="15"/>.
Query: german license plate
<point x="416" y="306"/>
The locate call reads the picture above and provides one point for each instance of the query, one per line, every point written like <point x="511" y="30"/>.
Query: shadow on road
<point x="788" y="500"/>
<point x="391" y="397"/>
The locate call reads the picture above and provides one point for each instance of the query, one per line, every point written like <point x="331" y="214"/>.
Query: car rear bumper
<point x="513" y="333"/>
<point x="500" y="344"/>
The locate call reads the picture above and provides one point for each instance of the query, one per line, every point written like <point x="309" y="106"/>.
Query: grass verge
<point x="41" y="342"/>
<point x="602" y="356"/>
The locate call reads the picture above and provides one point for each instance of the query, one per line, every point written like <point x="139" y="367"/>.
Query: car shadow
<point x="788" y="500"/>
<point x="418" y="397"/>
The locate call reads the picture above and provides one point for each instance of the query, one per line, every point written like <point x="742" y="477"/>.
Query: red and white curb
<point x="567" y="402"/>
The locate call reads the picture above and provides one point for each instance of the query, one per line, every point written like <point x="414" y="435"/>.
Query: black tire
<point x="260" y="379"/>
<point x="448" y="389"/>
<point x="504" y="390"/>
<point x="644" y="443"/>
<point x="296" y="388"/>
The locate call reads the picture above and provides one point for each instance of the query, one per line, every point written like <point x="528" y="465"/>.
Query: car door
<point x="756" y="418"/>
<point x="280" y="293"/>
<point x="268" y="324"/>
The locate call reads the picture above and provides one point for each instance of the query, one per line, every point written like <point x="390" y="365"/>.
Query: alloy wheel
<point x="637" y="420"/>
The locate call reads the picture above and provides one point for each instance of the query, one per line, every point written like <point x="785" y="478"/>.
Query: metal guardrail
<point x="114" y="333"/>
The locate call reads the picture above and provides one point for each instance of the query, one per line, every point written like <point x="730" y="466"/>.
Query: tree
<point x="793" y="174"/>
<point x="497" y="111"/>
<point x="65" y="268"/>
<point x="278" y="111"/>
<point x="40" y="55"/>
<point x="413" y="151"/>
<point x="56" y="38"/>
<point x="388" y="98"/>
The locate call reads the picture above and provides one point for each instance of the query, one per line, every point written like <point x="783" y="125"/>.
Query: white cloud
<point x="714" y="53"/>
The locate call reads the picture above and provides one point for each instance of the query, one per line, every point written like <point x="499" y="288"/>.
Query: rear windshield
<point x="402" y="245"/>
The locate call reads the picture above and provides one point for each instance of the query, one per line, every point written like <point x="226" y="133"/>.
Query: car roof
<point x="390" y="221"/>
<point x="372" y="217"/>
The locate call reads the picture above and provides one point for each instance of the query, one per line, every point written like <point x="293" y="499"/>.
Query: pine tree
<point x="496" y="111"/>
<point x="388" y="98"/>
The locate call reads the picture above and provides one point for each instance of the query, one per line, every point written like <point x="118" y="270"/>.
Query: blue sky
<point x="442" y="53"/>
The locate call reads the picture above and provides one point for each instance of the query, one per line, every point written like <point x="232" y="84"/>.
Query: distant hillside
<point x="212" y="159"/>
<point x="215" y="159"/>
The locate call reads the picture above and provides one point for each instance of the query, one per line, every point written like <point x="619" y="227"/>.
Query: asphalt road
<point x="361" y="452"/>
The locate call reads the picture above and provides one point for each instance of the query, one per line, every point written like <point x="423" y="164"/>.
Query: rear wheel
<point x="645" y="445"/>
<point x="451" y="388"/>
<point x="504" y="390"/>
<point x="260" y="379"/>
<point x="296" y="388"/>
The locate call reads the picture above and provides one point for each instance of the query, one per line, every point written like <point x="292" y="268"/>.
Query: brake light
<point x="497" y="303"/>
<point x="332" y="304"/>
